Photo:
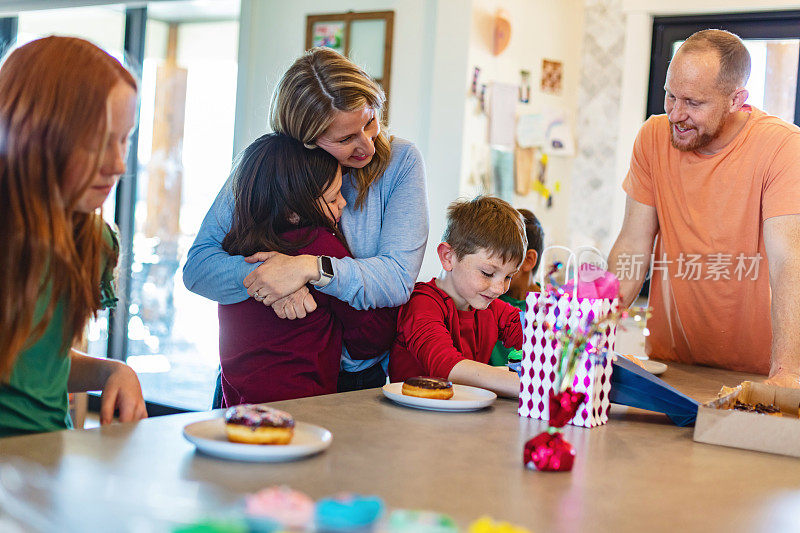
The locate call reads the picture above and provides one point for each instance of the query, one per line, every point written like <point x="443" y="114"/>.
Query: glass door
<point x="185" y="152"/>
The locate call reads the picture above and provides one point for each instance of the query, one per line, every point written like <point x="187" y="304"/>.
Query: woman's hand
<point x="296" y="305"/>
<point x="122" y="392"/>
<point x="279" y="276"/>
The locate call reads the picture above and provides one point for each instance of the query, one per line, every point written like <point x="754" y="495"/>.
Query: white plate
<point x="209" y="437"/>
<point x="654" y="367"/>
<point x="464" y="398"/>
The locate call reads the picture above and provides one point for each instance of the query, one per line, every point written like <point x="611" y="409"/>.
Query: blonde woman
<point x="329" y="103"/>
<point x="66" y="111"/>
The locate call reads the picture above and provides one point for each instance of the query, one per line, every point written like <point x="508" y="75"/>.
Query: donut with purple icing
<point x="258" y="424"/>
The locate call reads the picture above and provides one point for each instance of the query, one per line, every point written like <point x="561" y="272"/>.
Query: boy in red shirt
<point x="451" y="323"/>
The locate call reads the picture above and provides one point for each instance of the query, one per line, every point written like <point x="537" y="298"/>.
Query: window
<point x="184" y="158"/>
<point x="773" y="40"/>
<point x="103" y="25"/>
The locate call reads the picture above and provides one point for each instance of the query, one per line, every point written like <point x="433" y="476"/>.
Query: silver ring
<point x="258" y="297"/>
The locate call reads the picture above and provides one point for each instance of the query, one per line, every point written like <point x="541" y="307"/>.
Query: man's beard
<point x="700" y="141"/>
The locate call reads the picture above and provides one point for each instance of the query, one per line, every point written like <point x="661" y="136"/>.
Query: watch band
<point x="325" y="268"/>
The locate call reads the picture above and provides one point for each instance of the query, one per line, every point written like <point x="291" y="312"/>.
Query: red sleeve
<point x="367" y="333"/>
<point x="509" y="326"/>
<point x="423" y="325"/>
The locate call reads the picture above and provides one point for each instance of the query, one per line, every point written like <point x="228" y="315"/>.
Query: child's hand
<point x="122" y="392"/>
<point x="296" y="305"/>
<point x="259" y="257"/>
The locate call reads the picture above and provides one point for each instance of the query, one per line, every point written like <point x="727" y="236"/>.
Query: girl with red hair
<point x="67" y="109"/>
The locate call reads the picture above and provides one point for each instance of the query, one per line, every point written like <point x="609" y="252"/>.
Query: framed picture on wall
<point x="330" y="34"/>
<point x="364" y="37"/>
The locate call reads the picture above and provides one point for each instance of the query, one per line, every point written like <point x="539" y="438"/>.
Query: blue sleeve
<point x="387" y="279"/>
<point x="209" y="270"/>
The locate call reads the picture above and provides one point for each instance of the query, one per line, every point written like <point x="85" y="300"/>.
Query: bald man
<point x="715" y="184"/>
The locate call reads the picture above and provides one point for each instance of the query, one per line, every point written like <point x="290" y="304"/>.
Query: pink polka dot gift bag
<point x="567" y="308"/>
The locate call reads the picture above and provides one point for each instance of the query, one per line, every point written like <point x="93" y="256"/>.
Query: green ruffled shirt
<point x="500" y="353"/>
<point x="35" y="398"/>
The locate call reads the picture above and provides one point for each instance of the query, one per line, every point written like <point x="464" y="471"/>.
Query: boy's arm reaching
<point x="423" y="326"/>
<point x="497" y="379"/>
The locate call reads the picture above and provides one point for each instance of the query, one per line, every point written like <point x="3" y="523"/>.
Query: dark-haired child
<point x="287" y="198"/>
<point x="451" y="323"/>
<point x="522" y="283"/>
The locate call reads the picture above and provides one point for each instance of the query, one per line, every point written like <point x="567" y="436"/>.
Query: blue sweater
<point x="387" y="237"/>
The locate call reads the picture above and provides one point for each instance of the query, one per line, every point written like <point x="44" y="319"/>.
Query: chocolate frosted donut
<point x="258" y="424"/>
<point x="429" y="383"/>
<point x="428" y="387"/>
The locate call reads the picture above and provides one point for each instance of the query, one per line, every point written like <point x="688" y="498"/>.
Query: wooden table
<point x="637" y="473"/>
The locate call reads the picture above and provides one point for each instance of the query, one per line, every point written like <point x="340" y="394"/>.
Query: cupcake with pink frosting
<point x="277" y="508"/>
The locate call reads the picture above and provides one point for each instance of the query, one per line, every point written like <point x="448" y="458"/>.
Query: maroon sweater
<point x="265" y="358"/>
<point x="433" y="335"/>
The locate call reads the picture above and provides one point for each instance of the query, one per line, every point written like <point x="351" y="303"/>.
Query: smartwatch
<point x="325" y="268"/>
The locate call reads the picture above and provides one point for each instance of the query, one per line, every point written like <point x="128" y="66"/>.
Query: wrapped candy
<point x="548" y="451"/>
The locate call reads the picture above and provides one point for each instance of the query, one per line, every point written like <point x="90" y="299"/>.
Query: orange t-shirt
<point x="709" y="291"/>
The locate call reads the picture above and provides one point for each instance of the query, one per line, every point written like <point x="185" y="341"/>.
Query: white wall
<point x="443" y="151"/>
<point x="540" y="29"/>
<point x="102" y="25"/>
<point x="273" y="36"/>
